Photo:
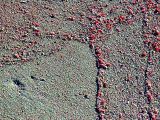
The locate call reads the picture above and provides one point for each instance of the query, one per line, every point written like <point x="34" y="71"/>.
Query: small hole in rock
<point x="33" y="77"/>
<point x="86" y="96"/>
<point x="42" y="79"/>
<point x="19" y="84"/>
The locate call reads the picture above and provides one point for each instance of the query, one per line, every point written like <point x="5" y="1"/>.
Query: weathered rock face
<point x="59" y="87"/>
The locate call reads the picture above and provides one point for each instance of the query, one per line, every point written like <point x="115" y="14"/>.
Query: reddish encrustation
<point x="104" y="84"/>
<point x="149" y="96"/>
<point x="155" y="111"/>
<point x="144" y="54"/>
<point x="148" y="41"/>
<point x="92" y="29"/>
<point x="156" y="46"/>
<point x="150" y="4"/>
<point x="121" y="18"/>
<point x="146" y="35"/>
<point x="98" y="52"/>
<point x="101" y="72"/>
<point x="96" y="22"/>
<point x="108" y="64"/>
<point x="36" y="24"/>
<point x="83" y="40"/>
<point x="91" y="44"/>
<point x="37" y="32"/>
<point x="109" y="26"/>
<point x="143" y="9"/>
<point x="100" y="31"/>
<point x="92" y="37"/>
<point x="154" y="114"/>
<point x="102" y="116"/>
<point x="101" y="110"/>
<point x="101" y="14"/>
<point x="158" y="38"/>
<point x="52" y="33"/>
<point x="148" y="84"/>
<point x="91" y="18"/>
<point x="1" y="65"/>
<point x="157" y="10"/>
<point x="71" y="18"/>
<point x="101" y="61"/>
<point x="130" y="10"/>
<point x="17" y="56"/>
<point x="99" y="93"/>
<point x="150" y="59"/>
<point x="153" y="117"/>
<point x="134" y="1"/>
<point x="118" y="30"/>
<point x="103" y="101"/>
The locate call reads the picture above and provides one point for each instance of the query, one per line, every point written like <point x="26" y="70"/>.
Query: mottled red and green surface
<point x="48" y="70"/>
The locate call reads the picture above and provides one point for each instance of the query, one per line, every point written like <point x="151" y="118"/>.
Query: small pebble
<point x="158" y="97"/>
<point x="1" y="29"/>
<point x="23" y="1"/>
